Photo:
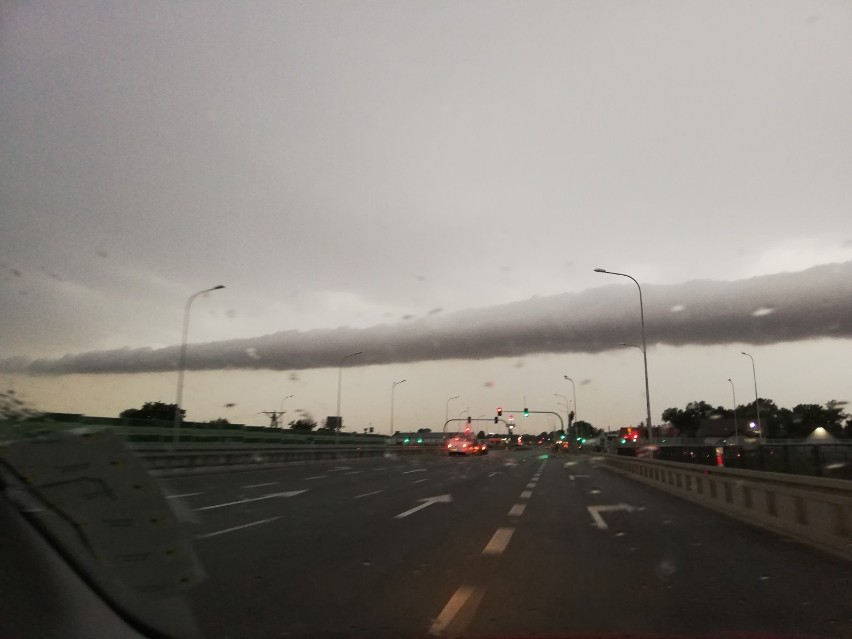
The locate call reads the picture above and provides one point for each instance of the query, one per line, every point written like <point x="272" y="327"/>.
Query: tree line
<point x="777" y="422"/>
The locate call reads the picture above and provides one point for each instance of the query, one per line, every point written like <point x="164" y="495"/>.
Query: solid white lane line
<point x="352" y="472"/>
<point x="227" y="530"/>
<point x="526" y="494"/>
<point x="454" y="605"/>
<point x="375" y="492"/>
<point x="416" y="470"/>
<point x="517" y="510"/>
<point x="291" y="493"/>
<point x="317" y="477"/>
<point x="499" y="541"/>
<point x="419" y="480"/>
<point x="183" y="495"/>
<point x="269" y="483"/>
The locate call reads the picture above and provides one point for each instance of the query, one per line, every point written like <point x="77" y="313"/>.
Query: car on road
<point x="463" y="445"/>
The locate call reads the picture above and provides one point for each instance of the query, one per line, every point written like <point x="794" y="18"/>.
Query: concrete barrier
<point x="813" y="510"/>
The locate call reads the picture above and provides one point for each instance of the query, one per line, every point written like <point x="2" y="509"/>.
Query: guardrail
<point x="813" y="510"/>
<point x="825" y="459"/>
<point x="182" y="461"/>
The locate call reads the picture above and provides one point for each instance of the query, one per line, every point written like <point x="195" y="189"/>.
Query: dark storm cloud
<point x="762" y="310"/>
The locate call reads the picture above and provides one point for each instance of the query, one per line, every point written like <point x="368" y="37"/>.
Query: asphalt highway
<point x="521" y="543"/>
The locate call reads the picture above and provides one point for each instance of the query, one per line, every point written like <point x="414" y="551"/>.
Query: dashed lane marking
<point x="227" y="530"/>
<point x="452" y="609"/>
<point x="182" y="495"/>
<point x="499" y="541"/>
<point x="375" y="492"/>
<point x="291" y="493"/>
<point x="269" y="483"/>
<point x="517" y="510"/>
<point x="526" y="494"/>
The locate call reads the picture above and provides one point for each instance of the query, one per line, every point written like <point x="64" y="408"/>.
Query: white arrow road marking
<point x="595" y="512"/>
<point x="291" y="493"/>
<point x="427" y="501"/>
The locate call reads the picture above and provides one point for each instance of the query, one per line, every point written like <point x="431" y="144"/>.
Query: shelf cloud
<point x="815" y="303"/>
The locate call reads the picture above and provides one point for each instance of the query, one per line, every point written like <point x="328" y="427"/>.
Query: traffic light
<point x="495" y="420"/>
<point x="499" y="412"/>
<point x="526" y="412"/>
<point x="468" y="419"/>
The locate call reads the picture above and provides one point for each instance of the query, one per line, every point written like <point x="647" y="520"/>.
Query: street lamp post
<point x="393" y="388"/>
<point x="756" y="398"/>
<point x="634" y="346"/>
<point x="574" y="393"/>
<point x="447" y="412"/>
<point x="339" y="384"/>
<point x="567" y="413"/>
<point x="734" y="393"/>
<point x="282" y="408"/>
<point x="644" y="351"/>
<point x="182" y="360"/>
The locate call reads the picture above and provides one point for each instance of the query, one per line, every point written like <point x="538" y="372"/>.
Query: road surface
<point x="510" y="544"/>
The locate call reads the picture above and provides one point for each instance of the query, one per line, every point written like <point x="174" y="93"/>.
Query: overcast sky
<point x="432" y="183"/>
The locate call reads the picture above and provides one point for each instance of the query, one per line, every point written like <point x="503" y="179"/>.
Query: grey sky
<point x="352" y="164"/>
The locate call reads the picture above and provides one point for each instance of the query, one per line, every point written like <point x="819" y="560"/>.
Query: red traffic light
<point x="499" y="412"/>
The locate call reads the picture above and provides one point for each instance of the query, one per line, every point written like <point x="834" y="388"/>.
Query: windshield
<point x="265" y="267"/>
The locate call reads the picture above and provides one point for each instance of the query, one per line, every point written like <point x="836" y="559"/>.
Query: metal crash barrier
<point x="183" y="461"/>
<point x="813" y="510"/>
